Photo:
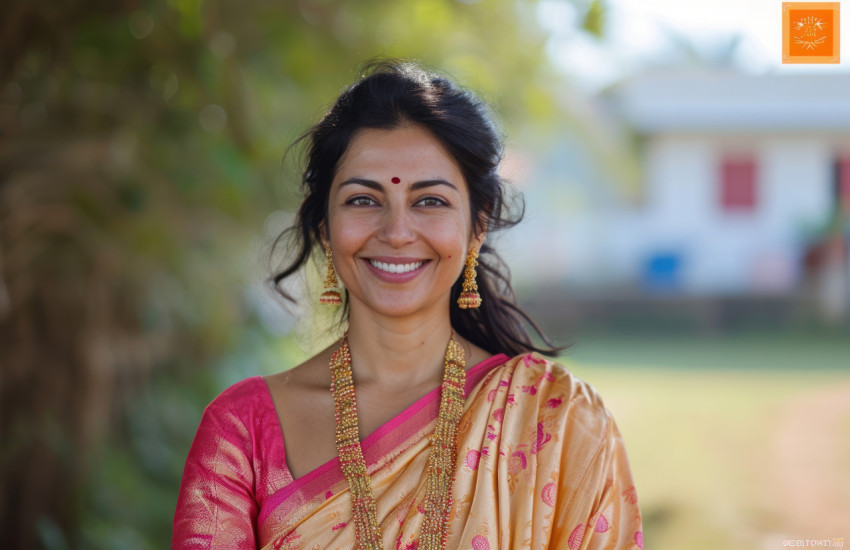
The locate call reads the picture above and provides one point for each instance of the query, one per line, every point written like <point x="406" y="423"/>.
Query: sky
<point x="638" y="31"/>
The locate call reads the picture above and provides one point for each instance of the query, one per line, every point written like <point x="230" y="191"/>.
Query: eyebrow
<point x="413" y="187"/>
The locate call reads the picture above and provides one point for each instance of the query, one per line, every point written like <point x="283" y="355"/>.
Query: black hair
<point x="389" y="94"/>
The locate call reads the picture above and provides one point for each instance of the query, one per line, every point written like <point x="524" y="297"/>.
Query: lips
<point x="396" y="270"/>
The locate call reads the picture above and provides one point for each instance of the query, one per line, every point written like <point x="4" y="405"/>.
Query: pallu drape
<point x="541" y="464"/>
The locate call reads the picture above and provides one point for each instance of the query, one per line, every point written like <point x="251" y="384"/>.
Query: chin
<point x="397" y="310"/>
<point x="400" y="308"/>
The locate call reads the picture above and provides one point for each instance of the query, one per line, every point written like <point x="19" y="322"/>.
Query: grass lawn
<point x="735" y="442"/>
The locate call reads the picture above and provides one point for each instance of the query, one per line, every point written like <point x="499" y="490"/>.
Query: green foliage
<point x="594" y="18"/>
<point x="141" y="146"/>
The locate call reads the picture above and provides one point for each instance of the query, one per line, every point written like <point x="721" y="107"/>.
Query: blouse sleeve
<point x="603" y="514"/>
<point x="216" y="508"/>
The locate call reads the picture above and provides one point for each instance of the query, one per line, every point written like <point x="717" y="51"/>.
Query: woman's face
<point x="399" y="222"/>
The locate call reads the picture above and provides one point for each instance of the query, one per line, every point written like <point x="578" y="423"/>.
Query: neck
<point x="399" y="352"/>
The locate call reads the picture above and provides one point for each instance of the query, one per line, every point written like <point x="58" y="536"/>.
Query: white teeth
<point x="396" y="268"/>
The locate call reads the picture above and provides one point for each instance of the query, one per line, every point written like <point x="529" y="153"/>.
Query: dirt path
<point x="811" y="464"/>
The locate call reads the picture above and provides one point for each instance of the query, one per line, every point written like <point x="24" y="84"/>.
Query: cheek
<point x="346" y="232"/>
<point x="450" y="241"/>
<point x="445" y="228"/>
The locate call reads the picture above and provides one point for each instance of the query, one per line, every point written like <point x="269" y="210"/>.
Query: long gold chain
<point x="441" y="459"/>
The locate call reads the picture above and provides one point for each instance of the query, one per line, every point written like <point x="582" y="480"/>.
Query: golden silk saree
<point x="541" y="464"/>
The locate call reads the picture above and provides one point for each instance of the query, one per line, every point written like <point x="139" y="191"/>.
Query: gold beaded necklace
<point x="441" y="459"/>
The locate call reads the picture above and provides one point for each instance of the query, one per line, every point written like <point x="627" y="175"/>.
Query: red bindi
<point x="395" y="180"/>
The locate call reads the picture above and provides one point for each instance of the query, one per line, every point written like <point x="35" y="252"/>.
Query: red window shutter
<point x="738" y="184"/>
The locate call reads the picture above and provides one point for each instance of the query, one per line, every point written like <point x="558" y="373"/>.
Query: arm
<point x="604" y="514"/>
<point x="216" y="508"/>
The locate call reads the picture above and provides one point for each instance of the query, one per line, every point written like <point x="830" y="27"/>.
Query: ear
<point x="323" y="234"/>
<point x="478" y="240"/>
<point x="479" y="232"/>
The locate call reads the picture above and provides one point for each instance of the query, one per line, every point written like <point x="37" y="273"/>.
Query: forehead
<point x="408" y="152"/>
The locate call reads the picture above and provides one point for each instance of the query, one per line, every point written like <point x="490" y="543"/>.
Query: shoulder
<point x="229" y="428"/>
<point x="239" y="411"/>
<point x="241" y="395"/>
<point x="545" y="375"/>
<point x="547" y="387"/>
<point x="220" y="474"/>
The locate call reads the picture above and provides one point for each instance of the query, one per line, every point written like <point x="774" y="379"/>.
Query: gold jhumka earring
<point x="469" y="297"/>
<point x="331" y="296"/>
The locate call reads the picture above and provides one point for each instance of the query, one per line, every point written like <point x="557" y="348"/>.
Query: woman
<point x="460" y="434"/>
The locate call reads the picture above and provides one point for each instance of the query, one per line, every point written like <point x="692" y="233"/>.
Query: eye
<point x="361" y="200"/>
<point x="431" y="200"/>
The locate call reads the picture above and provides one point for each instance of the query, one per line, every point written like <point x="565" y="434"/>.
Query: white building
<point x="740" y="175"/>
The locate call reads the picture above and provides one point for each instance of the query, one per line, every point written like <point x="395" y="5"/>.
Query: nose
<point x="396" y="226"/>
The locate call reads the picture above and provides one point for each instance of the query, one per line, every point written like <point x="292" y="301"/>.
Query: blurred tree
<point x="139" y="147"/>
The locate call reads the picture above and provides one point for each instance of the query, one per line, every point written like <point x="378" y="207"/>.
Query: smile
<point x="396" y="268"/>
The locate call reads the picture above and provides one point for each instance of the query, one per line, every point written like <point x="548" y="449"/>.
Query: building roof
<point x="713" y="100"/>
